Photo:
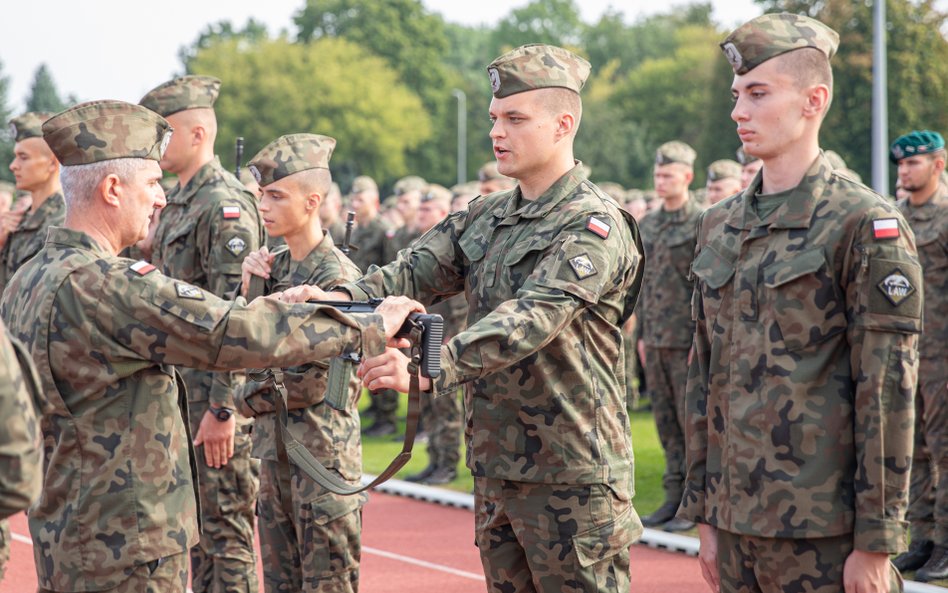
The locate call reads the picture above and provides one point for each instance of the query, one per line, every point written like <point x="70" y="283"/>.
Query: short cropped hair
<point x="79" y="181"/>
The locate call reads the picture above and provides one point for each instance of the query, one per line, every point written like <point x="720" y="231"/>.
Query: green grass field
<point x="377" y="452"/>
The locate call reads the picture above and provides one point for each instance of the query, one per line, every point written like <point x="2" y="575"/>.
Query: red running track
<point x="419" y="547"/>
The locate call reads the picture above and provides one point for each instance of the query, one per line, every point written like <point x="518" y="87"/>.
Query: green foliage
<point x="43" y="93"/>
<point x="917" y="71"/>
<point x="556" y="22"/>
<point x="252" y="32"/>
<point x="6" y="142"/>
<point x="276" y="87"/>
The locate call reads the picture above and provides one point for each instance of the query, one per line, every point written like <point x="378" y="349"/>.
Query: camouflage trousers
<point x="318" y="548"/>
<point x="165" y="575"/>
<point x="928" y="494"/>
<point x="385" y="405"/>
<point x="4" y="547"/>
<point x="443" y="423"/>
<point x="749" y="564"/>
<point x="632" y="394"/>
<point x="547" y="538"/>
<point x="224" y="561"/>
<point x="666" y="372"/>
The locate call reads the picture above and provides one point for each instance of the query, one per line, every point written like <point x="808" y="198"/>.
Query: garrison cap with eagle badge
<point x="537" y="66"/>
<point x="771" y="35"/>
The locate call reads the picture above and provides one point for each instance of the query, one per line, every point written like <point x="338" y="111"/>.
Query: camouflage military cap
<point x="363" y="183"/>
<point x="675" y="152"/>
<point x="743" y="158"/>
<point x="105" y="130"/>
<point x="28" y="125"/>
<point x="291" y="154"/>
<point x="409" y="183"/>
<point x="724" y="169"/>
<point x="436" y="192"/>
<point x="537" y="66"/>
<point x="914" y="143"/>
<point x="489" y="172"/>
<point x="771" y="35"/>
<point x="184" y="92"/>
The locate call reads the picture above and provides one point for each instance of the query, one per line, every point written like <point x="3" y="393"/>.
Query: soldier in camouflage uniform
<point x="21" y="454"/>
<point x="316" y="547"/>
<point x="408" y="193"/>
<point x="669" y="238"/>
<point x="920" y="157"/>
<point x="492" y="180"/>
<point x="808" y="303"/>
<point x="546" y="269"/>
<point x="724" y="180"/>
<point x="209" y="225"/>
<point x="37" y="171"/>
<point x="750" y="165"/>
<point x="442" y="415"/>
<point x="118" y="510"/>
<point x="369" y="237"/>
<point x="331" y="216"/>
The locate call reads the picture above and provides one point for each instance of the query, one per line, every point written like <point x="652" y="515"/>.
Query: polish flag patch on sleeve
<point x="885" y="228"/>
<point x="598" y="226"/>
<point x="231" y="211"/>
<point x="141" y="267"/>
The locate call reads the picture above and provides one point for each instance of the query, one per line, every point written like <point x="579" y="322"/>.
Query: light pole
<point x="462" y="134"/>
<point x="880" y="117"/>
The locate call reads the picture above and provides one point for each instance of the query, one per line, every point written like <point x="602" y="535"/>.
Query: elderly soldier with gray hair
<point x="920" y="157"/>
<point x="550" y="270"/>
<point x="808" y="303"/>
<point x="118" y="511"/>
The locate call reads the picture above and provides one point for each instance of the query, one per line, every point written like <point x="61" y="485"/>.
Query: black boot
<point x="920" y="550"/>
<point x="936" y="568"/>
<point x="664" y="514"/>
<point x="678" y="524"/>
<point x="423" y="474"/>
<point x="381" y="428"/>
<point x="442" y="475"/>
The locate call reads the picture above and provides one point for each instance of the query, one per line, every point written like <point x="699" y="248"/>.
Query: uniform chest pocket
<point x="178" y="252"/>
<point x="520" y="261"/>
<point x="681" y="248"/>
<point x="803" y="300"/>
<point x="714" y="272"/>
<point x="932" y="249"/>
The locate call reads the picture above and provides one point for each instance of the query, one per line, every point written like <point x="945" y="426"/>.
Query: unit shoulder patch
<point x="236" y="245"/>
<point x="598" y="226"/>
<point x="186" y="291"/>
<point x="582" y="267"/>
<point x="141" y="267"/>
<point x="885" y="228"/>
<point x="896" y="287"/>
<point x="230" y="212"/>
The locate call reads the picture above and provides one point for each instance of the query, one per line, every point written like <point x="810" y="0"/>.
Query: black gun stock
<point x="432" y="331"/>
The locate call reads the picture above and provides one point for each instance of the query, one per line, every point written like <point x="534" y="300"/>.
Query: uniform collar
<point x="797" y="210"/>
<point x="181" y="195"/>
<point x="929" y="209"/>
<point x="561" y="189"/>
<point x="63" y="237"/>
<point x="681" y="215"/>
<point x="39" y="218"/>
<point x="306" y="267"/>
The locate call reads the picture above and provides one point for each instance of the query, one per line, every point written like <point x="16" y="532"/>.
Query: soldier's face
<point x="671" y="180"/>
<point x="769" y="110"/>
<point x="283" y="208"/>
<point x="429" y="214"/>
<point x="407" y="204"/>
<point x="178" y="154"/>
<point x="524" y="134"/>
<point x="748" y="172"/>
<point x="33" y="164"/>
<point x="918" y="172"/>
<point x="143" y="196"/>
<point x="722" y="188"/>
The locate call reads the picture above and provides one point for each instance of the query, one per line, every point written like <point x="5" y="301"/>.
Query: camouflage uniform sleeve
<point x="884" y="305"/>
<point x="696" y="409"/>
<point x="154" y="318"/>
<point x="20" y="450"/>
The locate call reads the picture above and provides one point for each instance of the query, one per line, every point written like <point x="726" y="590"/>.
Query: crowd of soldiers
<point x="162" y="346"/>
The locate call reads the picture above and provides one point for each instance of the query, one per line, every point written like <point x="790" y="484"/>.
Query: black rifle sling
<point x="291" y="450"/>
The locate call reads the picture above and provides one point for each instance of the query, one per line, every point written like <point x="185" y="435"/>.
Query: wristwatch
<point x="222" y="414"/>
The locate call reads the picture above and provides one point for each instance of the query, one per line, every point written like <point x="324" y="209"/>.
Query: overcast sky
<point x="119" y="49"/>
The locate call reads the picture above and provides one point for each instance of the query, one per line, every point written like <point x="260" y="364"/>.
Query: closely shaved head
<point x="557" y="101"/>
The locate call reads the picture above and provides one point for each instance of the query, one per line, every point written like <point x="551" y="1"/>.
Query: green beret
<point x="291" y="154"/>
<point x="537" y="66"/>
<point x="913" y="143"/>
<point x="363" y="183"/>
<point x="409" y="183"/>
<point x="104" y="130"/>
<point x="743" y="158"/>
<point x="724" y="169"/>
<point x="675" y="152"/>
<point x="771" y="35"/>
<point x="184" y="92"/>
<point x="28" y="125"/>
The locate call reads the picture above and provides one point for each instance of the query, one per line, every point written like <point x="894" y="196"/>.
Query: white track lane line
<point x="423" y="563"/>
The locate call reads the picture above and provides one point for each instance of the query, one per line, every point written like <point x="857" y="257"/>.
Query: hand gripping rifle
<point x="425" y="332"/>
